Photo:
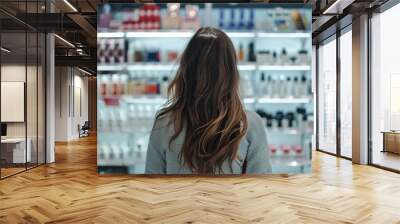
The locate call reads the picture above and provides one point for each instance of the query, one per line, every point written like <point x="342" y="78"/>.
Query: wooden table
<point x="391" y="141"/>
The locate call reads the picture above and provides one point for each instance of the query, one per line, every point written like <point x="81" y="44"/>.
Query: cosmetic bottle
<point x="268" y="91"/>
<point x="241" y="53"/>
<point x="252" y="55"/>
<point x="269" y="119"/>
<point x="279" y="117"/>
<point x="274" y="58"/>
<point x="263" y="85"/>
<point x="284" y="58"/>
<point x="302" y="58"/>
<point x="247" y="87"/>
<point x="118" y="51"/>
<point x="296" y="87"/>
<point x="241" y="25"/>
<point x="289" y="88"/>
<point x="164" y="86"/>
<point x="298" y="21"/>
<point x="232" y="20"/>
<point x="300" y="112"/>
<point x="250" y="24"/>
<point x="282" y="86"/>
<point x="291" y="120"/>
<point x="274" y="87"/>
<point x="221" y="19"/>
<point x="105" y="16"/>
<point x="304" y="86"/>
<point x="172" y="20"/>
<point x="285" y="123"/>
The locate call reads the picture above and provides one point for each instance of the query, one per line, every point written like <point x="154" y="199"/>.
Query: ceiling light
<point x="84" y="71"/>
<point x="338" y="6"/>
<point x="5" y="49"/>
<point x="65" y="41"/>
<point x="70" y="5"/>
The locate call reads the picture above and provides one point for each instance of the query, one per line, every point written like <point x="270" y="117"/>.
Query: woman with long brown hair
<point x="203" y="128"/>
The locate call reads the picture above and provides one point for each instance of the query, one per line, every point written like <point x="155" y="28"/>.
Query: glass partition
<point x="22" y="89"/>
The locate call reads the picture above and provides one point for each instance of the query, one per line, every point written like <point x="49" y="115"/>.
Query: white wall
<point x="70" y="83"/>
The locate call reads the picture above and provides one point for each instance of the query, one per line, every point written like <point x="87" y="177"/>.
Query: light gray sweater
<point x="161" y="159"/>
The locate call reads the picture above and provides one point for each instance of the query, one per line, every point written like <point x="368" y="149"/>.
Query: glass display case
<point x="138" y="53"/>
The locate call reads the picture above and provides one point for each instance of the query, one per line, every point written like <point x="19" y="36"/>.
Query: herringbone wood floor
<point x="70" y="191"/>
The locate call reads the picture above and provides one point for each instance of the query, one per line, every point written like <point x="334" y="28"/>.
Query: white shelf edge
<point x="266" y="100"/>
<point x="284" y="67"/>
<point x="187" y="34"/>
<point x="171" y="67"/>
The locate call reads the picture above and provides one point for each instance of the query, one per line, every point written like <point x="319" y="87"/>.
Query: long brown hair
<point x="204" y="97"/>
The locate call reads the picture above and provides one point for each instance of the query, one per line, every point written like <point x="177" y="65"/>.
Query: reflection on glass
<point x="327" y="97"/>
<point x="385" y="89"/>
<point x="346" y="94"/>
<point x="15" y="151"/>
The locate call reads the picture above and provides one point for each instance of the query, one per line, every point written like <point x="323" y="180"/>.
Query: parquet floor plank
<point x="71" y="191"/>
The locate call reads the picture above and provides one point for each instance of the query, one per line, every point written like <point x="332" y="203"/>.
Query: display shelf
<point x="282" y="161"/>
<point x="286" y="132"/>
<point x="268" y="100"/>
<point x="145" y="99"/>
<point x="173" y="66"/>
<point x="187" y="34"/>
<point x="157" y="99"/>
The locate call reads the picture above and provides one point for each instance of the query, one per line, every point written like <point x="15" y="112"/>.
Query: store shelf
<point x="267" y="100"/>
<point x="248" y="100"/>
<point x="284" y="67"/>
<point x="283" y="100"/>
<point x="171" y="67"/>
<point x="188" y="34"/>
<point x="144" y="99"/>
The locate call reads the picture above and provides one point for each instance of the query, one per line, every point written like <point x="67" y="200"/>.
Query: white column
<point x="360" y="90"/>
<point x="50" y="99"/>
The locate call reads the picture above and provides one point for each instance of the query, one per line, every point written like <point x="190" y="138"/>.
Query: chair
<point x="84" y="130"/>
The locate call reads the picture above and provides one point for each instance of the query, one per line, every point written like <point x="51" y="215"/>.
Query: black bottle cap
<point x="274" y="54"/>
<point x="284" y="51"/>
<point x="165" y="78"/>
<point x="295" y="79"/>
<point x="288" y="79"/>
<point x="262" y="76"/>
<point x="303" y="78"/>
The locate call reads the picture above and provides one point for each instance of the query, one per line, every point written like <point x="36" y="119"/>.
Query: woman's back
<point x="252" y="155"/>
<point x="204" y="128"/>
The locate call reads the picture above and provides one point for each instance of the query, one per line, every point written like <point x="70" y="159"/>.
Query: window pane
<point x="346" y="94"/>
<point x="385" y="89"/>
<point x="327" y="97"/>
